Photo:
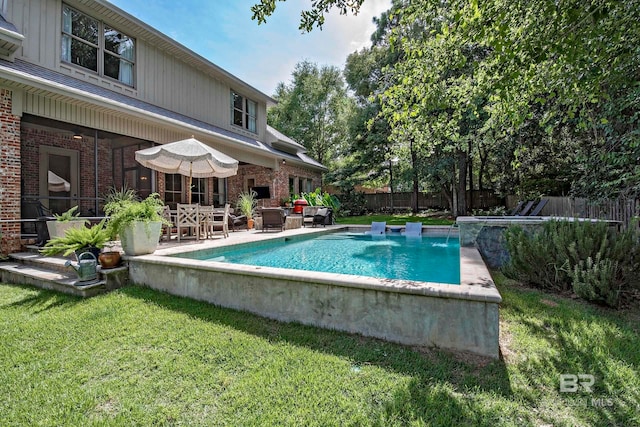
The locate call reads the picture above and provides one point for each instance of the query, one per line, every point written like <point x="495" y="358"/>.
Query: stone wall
<point x="10" y="174"/>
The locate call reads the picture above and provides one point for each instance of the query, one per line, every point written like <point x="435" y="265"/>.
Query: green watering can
<point x="86" y="267"/>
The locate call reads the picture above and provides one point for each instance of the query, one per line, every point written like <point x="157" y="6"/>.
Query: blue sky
<point x="262" y="55"/>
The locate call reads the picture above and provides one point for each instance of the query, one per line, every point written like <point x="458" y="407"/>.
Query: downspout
<point x="95" y="154"/>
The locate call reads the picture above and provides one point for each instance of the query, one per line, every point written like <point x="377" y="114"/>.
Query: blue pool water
<point x="425" y="259"/>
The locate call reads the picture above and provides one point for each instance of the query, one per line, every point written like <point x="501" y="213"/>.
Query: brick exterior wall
<point x="9" y="174"/>
<point x="33" y="138"/>
<point x="277" y="181"/>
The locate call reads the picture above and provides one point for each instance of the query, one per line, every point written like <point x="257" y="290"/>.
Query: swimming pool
<point x="392" y="256"/>
<point x="457" y="317"/>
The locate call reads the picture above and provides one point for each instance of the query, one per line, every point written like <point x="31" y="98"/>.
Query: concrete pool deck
<point x="457" y="317"/>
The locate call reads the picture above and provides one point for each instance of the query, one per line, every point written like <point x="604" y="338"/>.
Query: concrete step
<point x="36" y="260"/>
<point x="19" y="273"/>
<point x="50" y="273"/>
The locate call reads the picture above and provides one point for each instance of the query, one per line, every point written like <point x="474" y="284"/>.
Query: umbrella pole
<point x="190" y="179"/>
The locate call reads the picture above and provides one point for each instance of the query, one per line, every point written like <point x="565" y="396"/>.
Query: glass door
<point x="58" y="178"/>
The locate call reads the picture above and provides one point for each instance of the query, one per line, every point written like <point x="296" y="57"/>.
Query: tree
<point x="314" y="110"/>
<point x="308" y="18"/>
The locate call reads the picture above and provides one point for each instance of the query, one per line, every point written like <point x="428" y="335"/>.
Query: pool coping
<point x="476" y="283"/>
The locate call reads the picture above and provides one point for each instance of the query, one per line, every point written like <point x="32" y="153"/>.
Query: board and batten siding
<point x="161" y="79"/>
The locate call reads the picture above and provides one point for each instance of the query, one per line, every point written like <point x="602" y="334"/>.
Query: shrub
<point x="597" y="280"/>
<point x="596" y="262"/>
<point x="353" y="203"/>
<point x="318" y="198"/>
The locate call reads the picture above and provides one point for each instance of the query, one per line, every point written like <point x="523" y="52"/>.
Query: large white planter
<point x="57" y="228"/>
<point x="141" y="238"/>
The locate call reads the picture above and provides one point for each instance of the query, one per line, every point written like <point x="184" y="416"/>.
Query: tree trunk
<point x="414" y="166"/>
<point x="446" y="192"/>
<point x="462" y="184"/>
<point x="391" y="184"/>
<point x="470" y="174"/>
<point x="483" y="160"/>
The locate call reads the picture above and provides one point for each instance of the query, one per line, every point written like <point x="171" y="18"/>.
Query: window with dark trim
<point x="243" y="112"/>
<point x="93" y="45"/>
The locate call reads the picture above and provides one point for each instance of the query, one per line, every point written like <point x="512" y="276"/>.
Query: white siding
<point x="161" y="78"/>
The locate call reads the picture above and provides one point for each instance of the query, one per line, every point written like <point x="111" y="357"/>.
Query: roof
<point x="284" y="138"/>
<point x="31" y="75"/>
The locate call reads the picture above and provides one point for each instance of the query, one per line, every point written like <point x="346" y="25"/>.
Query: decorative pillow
<point x="322" y="212"/>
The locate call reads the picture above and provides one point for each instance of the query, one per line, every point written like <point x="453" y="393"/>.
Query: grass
<point x="139" y="357"/>
<point x="397" y="219"/>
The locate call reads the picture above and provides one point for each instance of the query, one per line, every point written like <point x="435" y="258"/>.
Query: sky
<point x="223" y="32"/>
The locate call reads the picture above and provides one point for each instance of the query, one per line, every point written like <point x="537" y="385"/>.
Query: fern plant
<point x="76" y="239"/>
<point x="124" y="212"/>
<point x="69" y="215"/>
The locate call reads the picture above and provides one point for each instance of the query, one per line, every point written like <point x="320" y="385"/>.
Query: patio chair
<point x="413" y="229"/>
<point x="307" y="215"/>
<point x="188" y="216"/>
<point x="321" y="216"/>
<point x="377" y="228"/>
<point x="216" y="220"/>
<point x="236" y="221"/>
<point x="273" y="218"/>
<point x="166" y="229"/>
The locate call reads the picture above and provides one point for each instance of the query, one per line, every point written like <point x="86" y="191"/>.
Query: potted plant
<point x="78" y="240"/>
<point x="65" y="221"/>
<point x="247" y="204"/>
<point x="137" y="222"/>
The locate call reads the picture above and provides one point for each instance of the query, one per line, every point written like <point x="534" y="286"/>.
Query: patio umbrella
<point x="188" y="157"/>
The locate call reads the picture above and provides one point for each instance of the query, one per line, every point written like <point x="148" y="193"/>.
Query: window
<point x="172" y="189"/>
<point x="198" y="190"/>
<point x="243" y="112"/>
<point x="91" y="44"/>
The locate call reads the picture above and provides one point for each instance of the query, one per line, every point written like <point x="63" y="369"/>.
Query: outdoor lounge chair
<point x="377" y="228"/>
<point x="273" y="218"/>
<point x="517" y="209"/>
<point x="526" y="208"/>
<point x="536" y="211"/>
<point x="321" y="216"/>
<point x="413" y="229"/>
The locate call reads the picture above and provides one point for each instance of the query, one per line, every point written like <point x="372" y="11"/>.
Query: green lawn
<point x="139" y="357"/>
<point x="394" y="219"/>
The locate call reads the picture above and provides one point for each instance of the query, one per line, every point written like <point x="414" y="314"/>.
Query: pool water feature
<point x="391" y="256"/>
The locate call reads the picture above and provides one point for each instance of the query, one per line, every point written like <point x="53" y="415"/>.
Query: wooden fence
<point x="623" y="209"/>
<point x="475" y="200"/>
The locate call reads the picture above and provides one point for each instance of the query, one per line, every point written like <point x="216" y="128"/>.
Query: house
<point x="83" y="85"/>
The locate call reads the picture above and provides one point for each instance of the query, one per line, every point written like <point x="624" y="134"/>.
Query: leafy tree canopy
<point x="314" y="16"/>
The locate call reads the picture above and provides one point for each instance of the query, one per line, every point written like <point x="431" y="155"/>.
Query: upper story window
<point x="93" y="45"/>
<point x="243" y="112"/>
